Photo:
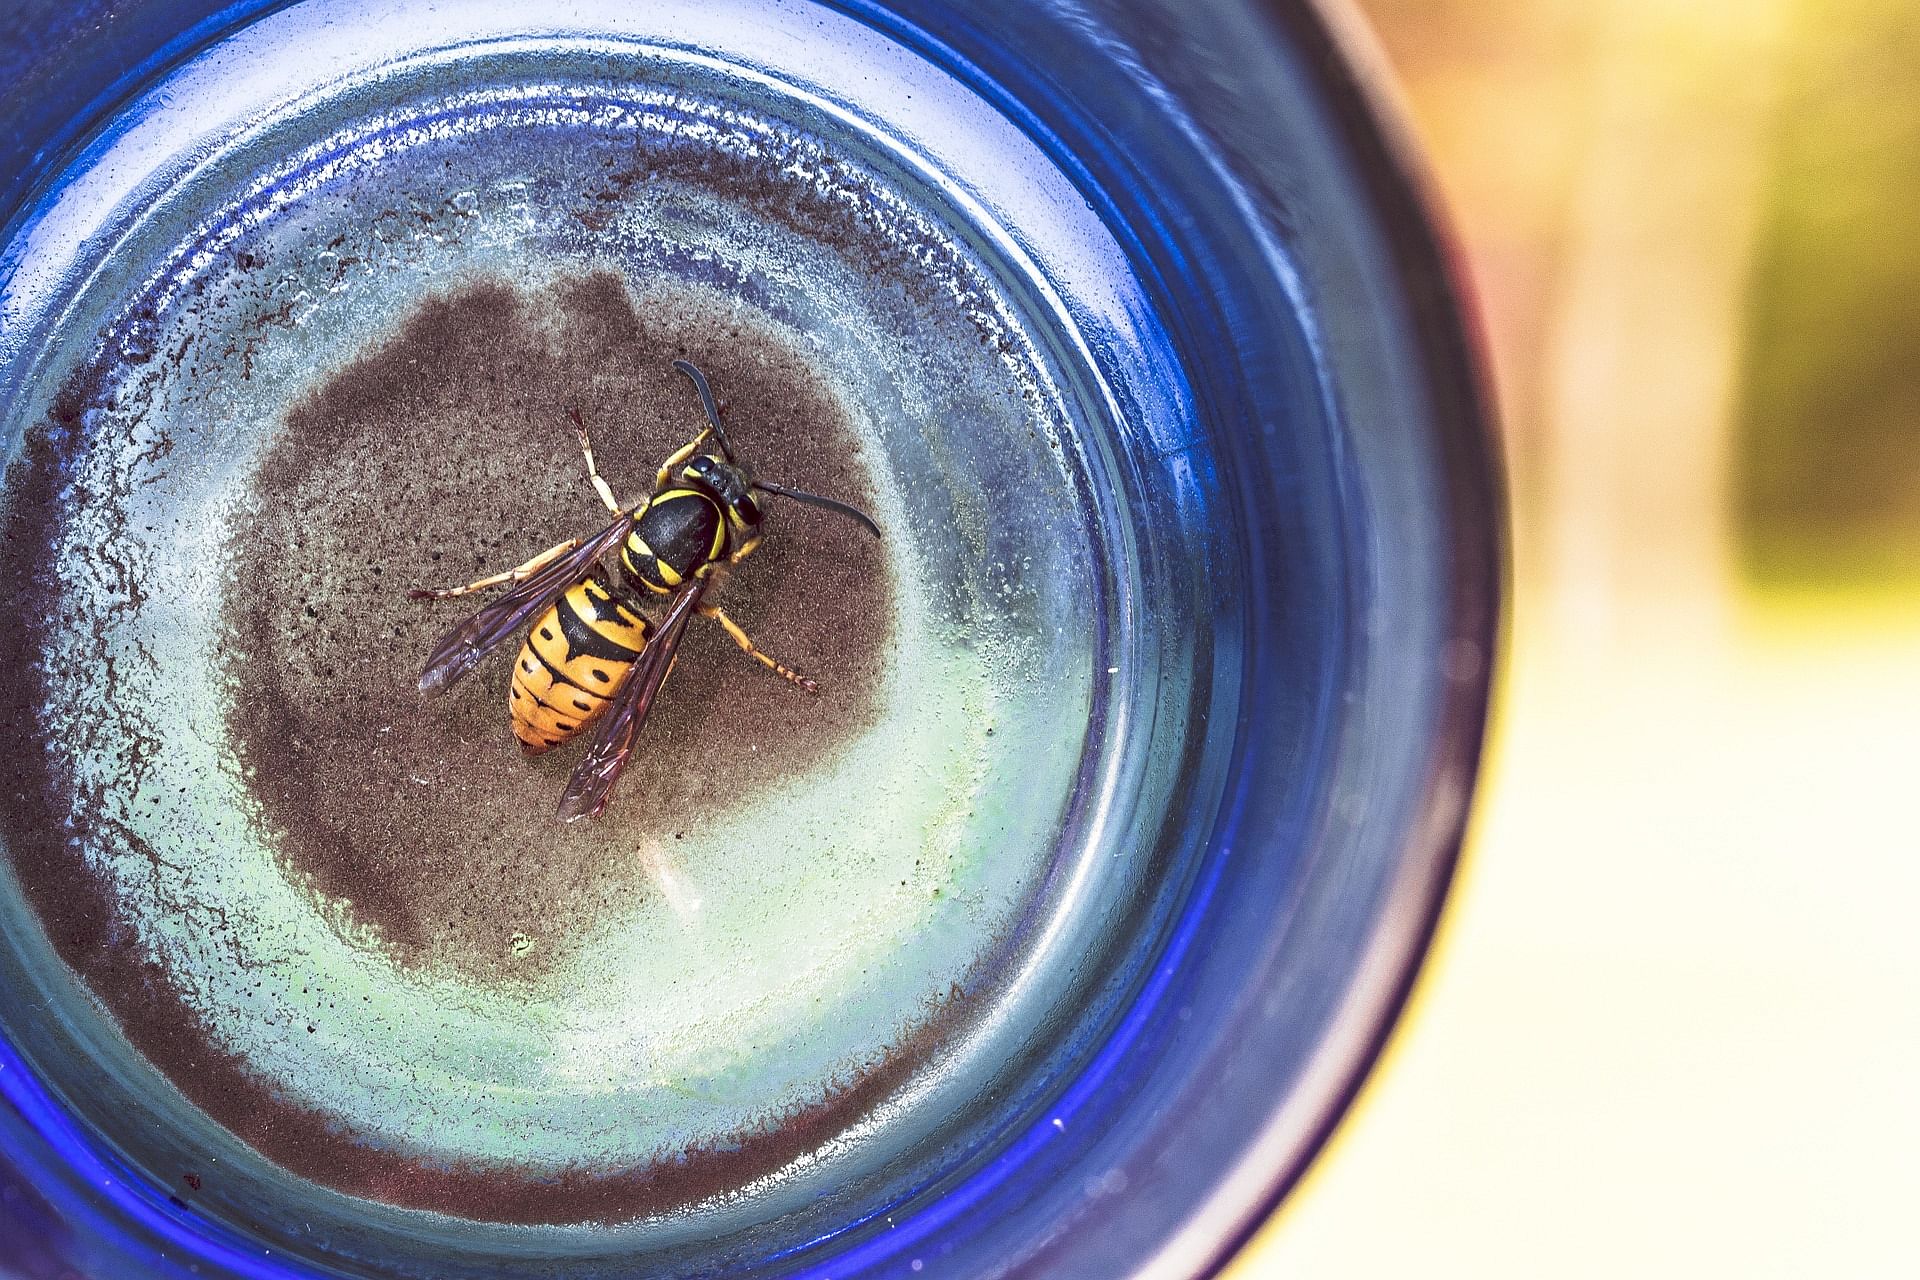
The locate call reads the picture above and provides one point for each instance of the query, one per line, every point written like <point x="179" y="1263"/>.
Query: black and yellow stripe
<point x="576" y="657"/>
<point x="672" y="537"/>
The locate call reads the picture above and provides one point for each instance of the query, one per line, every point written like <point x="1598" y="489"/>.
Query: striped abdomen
<point x="676" y="533"/>
<point x="576" y="657"/>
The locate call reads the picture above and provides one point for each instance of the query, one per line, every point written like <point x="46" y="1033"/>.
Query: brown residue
<point x="443" y="453"/>
<point x="446" y="453"/>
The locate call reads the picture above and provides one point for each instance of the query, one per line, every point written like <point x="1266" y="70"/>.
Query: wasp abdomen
<point x="576" y="657"/>
<point x="677" y="532"/>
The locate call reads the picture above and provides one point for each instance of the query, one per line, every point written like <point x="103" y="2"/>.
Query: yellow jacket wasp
<point x="589" y="655"/>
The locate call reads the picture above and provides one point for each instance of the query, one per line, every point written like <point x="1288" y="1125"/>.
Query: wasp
<point x="591" y="656"/>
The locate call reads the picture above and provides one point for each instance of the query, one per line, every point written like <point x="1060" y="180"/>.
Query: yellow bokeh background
<point x="1672" y="1023"/>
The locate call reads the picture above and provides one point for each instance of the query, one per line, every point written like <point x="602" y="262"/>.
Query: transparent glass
<point x="1148" y="362"/>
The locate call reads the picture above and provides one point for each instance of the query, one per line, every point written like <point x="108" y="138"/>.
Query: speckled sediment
<point x="342" y="920"/>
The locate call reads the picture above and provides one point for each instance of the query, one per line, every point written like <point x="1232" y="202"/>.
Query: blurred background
<point x="1672" y="1025"/>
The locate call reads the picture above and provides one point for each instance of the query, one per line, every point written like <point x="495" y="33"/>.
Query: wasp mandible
<point x="590" y="654"/>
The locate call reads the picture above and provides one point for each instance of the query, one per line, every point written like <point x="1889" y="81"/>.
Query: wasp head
<point x="729" y="485"/>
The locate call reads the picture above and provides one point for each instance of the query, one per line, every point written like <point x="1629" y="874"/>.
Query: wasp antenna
<point x="815" y="500"/>
<point x="706" y="402"/>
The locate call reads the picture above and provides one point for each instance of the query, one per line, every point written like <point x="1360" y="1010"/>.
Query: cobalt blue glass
<point x="1211" y="243"/>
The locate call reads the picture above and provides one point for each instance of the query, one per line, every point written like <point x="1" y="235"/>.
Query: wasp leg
<point x="593" y="473"/>
<point x="681" y="455"/>
<point x="740" y="638"/>
<point x="515" y="574"/>
<point x="746" y="549"/>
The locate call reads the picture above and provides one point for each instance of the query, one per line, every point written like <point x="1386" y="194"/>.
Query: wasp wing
<point x="592" y="782"/>
<point x="460" y="650"/>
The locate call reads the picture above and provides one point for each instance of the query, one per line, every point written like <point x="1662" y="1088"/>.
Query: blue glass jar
<point x="1210" y="253"/>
